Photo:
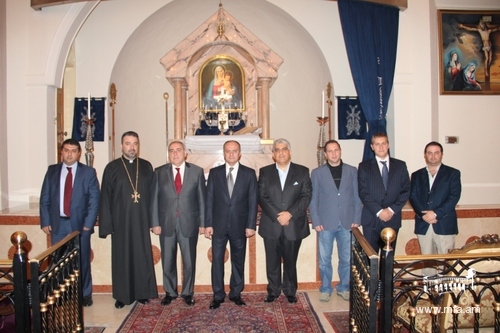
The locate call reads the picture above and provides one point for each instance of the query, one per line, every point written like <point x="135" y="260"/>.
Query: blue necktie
<point x="385" y="174"/>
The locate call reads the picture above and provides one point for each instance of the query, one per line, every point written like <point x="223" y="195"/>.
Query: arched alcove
<point x="221" y="35"/>
<point x="141" y="80"/>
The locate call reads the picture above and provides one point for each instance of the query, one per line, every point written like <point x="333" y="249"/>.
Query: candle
<point x="88" y="107"/>
<point x="323" y="104"/>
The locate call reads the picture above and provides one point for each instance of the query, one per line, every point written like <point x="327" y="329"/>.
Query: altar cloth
<point x="214" y="143"/>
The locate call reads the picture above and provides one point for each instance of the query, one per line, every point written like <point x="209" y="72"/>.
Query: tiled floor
<point x="103" y="312"/>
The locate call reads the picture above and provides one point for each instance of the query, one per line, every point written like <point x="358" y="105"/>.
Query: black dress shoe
<point x="167" y="300"/>
<point x="291" y="299"/>
<point x="87" y="301"/>
<point x="215" y="304"/>
<point x="119" y="305"/>
<point x="189" y="300"/>
<point x="269" y="299"/>
<point x="237" y="300"/>
<point x="143" y="301"/>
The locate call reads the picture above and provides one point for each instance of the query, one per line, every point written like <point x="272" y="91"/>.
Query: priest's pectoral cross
<point x="136" y="196"/>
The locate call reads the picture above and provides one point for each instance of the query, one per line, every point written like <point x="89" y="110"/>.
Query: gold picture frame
<point x="222" y="85"/>
<point x="469" y="51"/>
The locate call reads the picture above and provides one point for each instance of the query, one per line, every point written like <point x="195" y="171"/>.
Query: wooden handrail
<point x="6" y="262"/>
<point x="54" y="247"/>
<point x="404" y="258"/>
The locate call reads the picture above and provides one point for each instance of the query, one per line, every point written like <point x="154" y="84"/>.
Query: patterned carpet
<point x="94" y="329"/>
<point x="339" y="321"/>
<point x="256" y="316"/>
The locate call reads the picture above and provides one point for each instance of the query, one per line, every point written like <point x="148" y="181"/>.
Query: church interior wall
<point x="119" y="43"/>
<point x="419" y="113"/>
<point x="4" y="195"/>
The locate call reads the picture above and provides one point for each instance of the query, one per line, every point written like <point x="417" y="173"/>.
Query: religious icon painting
<point x="222" y="85"/>
<point x="469" y="52"/>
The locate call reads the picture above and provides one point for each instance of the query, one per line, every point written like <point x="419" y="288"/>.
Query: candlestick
<point x="321" y="140"/>
<point x="88" y="107"/>
<point x="323" y="104"/>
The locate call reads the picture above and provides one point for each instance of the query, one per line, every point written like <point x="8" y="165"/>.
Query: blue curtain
<point x="96" y="112"/>
<point x="371" y="37"/>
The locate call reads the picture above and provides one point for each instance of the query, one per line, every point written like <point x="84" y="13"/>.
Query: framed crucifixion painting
<point x="469" y="52"/>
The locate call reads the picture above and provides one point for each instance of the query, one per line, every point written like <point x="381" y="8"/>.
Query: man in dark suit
<point x="435" y="191"/>
<point x="231" y="215"/>
<point x="382" y="192"/>
<point x="178" y="216"/>
<point x="62" y="214"/>
<point x="285" y="192"/>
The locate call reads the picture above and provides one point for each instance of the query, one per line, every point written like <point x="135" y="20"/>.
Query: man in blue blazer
<point x="382" y="200"/>
<point x="178" y="216"/>
<point x="335" y="208"/>
<point x="230" y="215"/>
<point x="284" y="194"/>
<point x="435" y="191"/>
<point x="59" y="218"/>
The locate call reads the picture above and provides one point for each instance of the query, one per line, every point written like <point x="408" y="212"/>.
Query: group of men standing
<point x="226" y="212"/>
<point x="174" y="202"/>
<point x="374" y="196"/>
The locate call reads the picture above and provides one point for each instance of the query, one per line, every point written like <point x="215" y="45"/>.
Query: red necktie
<point x="177" y="181"/>
<point x="68" y="190"/>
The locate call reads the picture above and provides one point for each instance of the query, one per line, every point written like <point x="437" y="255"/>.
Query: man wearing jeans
<point x="335" y="208"/>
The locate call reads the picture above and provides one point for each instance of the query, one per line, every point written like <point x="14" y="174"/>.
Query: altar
<point x="222" y="76"/>
<point x="206" y="150"/>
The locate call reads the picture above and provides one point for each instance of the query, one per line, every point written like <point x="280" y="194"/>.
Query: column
<point x="179" y="108"/>
<point x="264" y="106"/>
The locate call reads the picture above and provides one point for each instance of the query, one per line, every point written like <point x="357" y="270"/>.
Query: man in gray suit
<point x="335" y="208"/>
<point x="178" y="216"/>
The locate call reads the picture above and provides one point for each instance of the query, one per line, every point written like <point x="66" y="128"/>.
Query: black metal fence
<point x="390" y="294"/>
<point x="48" y="299"/>
<point x="364" y="285"/>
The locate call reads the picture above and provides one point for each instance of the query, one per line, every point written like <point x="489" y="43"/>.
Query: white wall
<point x="38" y="42"/>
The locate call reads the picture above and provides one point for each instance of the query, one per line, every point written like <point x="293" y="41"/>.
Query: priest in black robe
<point x="124" y="214"/>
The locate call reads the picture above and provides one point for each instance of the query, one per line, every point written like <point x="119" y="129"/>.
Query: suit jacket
<point x="331" y="205"/>
<point x="84" y="199"/>
<point x="190" y="203"/>
<point x="374" y="196"/>
<point x="441" y="198"/>
<point x="294" y="198"/>
<point x="231" y="215"/>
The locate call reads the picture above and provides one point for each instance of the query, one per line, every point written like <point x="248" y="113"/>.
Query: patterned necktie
<point x="68" y="191"/>
<point x="177" y="181"/>
<point x="230" y="181"/>
<point x="385" y="173"/>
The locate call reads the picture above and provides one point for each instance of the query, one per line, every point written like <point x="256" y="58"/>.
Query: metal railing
<point x="364" y="285"/>
<point x="382" y="286"/>
<point x="49" y="299"/>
